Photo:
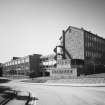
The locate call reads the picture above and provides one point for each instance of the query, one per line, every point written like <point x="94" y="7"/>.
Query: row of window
<point x="18" y="61"/>
<point x="96" y="46"/>
<point x="47" y="67"/>
<point x="14" y="72"/>
<point x="22" y="67"/>
<point x="47" y="58"/>
<point x="63" y="62"/>
<point x="94" y="38"/>
<point x="92" y="54"/>
<point x="62" y="71"/>
<point x="52" y="62"/>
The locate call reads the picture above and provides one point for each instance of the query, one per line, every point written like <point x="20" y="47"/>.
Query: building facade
<point x="22" y="66"/>
<point x="1" y="70"/>
<point x="57" y="68"/>
<point x="80" y="52"/>
<point x="81" y="45"/>
<point x="64" y="69"/>
<point x="47" y="64"/>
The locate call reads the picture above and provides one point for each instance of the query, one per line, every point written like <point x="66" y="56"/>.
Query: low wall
<point x="60" y="72"/>
<point x="15" y="76"/>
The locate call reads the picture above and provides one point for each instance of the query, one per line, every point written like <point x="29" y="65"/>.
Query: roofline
<point x="21" y="58"/>
<point x="74" y="28"/>
<point x="84" y="31"/>
<point x="96" y="35"/>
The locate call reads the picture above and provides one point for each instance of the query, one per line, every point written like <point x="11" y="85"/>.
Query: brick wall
<point x="74" y="43"/>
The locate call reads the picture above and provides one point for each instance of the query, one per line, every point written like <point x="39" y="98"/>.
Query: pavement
<point x="64" y="84"/>
<point x="16" y="102"/>
<point x="63" y="94"/>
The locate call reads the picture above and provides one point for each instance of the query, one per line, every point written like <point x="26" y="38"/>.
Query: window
<point x="94" y="38"/>
<point x="86" y="53"/>
<point x="86" y="44"/>
<point x="11" y="63"/>
<point x="6" y="64"/>
<point x="22" y="60"/>
<point x="27" y="59"/>
<point x="15" y="62"/>
<point x="18" y="61"/>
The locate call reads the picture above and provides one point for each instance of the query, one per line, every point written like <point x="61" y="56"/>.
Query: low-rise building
<point x="23" y="66"/>
<point x="47" y="64"/>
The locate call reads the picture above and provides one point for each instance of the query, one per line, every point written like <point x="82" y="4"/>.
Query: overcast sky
<point x="34" y="26"/>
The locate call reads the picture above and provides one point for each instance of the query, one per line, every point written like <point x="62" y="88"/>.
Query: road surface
<point x="62" y="95"/>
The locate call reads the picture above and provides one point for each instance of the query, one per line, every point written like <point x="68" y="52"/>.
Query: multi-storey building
<point x="23" y="66"/>
<point x="81" y="46"/>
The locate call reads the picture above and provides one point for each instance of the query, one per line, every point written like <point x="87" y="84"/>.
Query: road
<point x="62" y="95"/>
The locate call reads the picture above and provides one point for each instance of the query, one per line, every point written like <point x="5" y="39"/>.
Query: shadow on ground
<point x="4" y="88"/>
<point x="5" y="93"/>
<point x="8" y="95"/>
<point x="36" y="80"/>
<point x="4" y="80"/>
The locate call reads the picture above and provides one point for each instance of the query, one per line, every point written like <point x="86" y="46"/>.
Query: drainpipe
<point x="63" y="34"/>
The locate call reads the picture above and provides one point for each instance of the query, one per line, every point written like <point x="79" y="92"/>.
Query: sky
<point x="34" y="26"/>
